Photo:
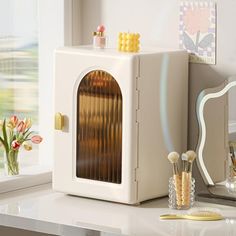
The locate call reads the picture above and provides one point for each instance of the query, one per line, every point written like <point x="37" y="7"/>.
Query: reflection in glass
<point x="231" y="160"/>
<point x="99" y="128"/>
<point x="215" y="149"/>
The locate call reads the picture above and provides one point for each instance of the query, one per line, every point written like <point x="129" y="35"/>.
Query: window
<point x="30" y="30"/>
<point x="19" y="67"/>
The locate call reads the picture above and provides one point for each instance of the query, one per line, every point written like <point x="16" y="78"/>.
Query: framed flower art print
<point x="198" y="30"/>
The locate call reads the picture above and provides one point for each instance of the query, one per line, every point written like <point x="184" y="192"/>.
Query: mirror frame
<point x="202" y="99"/>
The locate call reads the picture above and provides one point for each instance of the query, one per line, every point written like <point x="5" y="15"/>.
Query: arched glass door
<point x="99" y="128"/>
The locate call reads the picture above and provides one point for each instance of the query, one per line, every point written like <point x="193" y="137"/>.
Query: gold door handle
<point x="59" y="121"/>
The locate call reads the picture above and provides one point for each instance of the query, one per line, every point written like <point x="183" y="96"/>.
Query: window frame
<point x="55" y="29"/>
<point x="53" y="32"/>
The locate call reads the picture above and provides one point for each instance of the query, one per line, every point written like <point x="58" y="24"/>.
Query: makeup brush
<point x="191" y="157"/>
<point x="232" y="155"/>
<point x="185" y="180"/>
<point x="184" y="158"/>
<point x="173" y="157"/>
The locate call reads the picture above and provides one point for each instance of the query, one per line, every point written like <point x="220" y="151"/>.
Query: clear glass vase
<point x="179" y="199"/>
<point x="11" y="162"/>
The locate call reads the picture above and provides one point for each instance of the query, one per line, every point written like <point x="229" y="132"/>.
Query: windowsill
<point x="29" y="177"/>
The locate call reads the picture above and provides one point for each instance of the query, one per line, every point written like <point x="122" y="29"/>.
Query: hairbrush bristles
<point x="202" y="211"/>
<point x="173" y="157"/>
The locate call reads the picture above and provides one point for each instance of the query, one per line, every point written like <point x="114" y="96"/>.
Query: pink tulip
<point x="197" y="20"/>
<point x="10" y="125"/>
<point x="15" y="145"/>
<point x="36" y="139"/>
<point x="14" y="120"/>
<point x="21" y="127"/>
<point x="28" y="123"/>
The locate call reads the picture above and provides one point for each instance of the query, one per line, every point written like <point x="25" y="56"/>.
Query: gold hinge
<point x="59" y="121"/>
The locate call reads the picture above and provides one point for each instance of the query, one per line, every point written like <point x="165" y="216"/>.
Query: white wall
<point x="157" y="22"/>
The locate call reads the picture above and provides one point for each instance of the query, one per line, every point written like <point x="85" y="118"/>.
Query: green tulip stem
<point x="12" y="162"/>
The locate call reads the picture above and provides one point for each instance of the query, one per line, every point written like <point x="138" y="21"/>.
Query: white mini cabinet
<point x="117" y="115"/>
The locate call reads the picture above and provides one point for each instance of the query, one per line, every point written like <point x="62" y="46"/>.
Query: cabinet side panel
<point x="163" y="86"/>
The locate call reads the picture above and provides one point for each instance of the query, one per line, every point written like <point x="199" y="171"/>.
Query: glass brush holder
<point x="181" y="191"/>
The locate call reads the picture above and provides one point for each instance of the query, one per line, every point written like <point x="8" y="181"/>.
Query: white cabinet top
<point x="89" y="50"/>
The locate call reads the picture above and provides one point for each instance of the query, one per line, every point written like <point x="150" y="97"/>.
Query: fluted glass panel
<point x="99" y="128"/>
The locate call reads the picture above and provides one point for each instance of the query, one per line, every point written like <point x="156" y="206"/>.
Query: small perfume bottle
<point x="99" y="39"/>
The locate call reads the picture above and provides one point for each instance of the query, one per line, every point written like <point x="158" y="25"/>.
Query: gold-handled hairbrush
<point x="198" y="215"/>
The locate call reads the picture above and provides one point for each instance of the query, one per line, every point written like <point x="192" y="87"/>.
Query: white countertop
<point x="42" y="210"/>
